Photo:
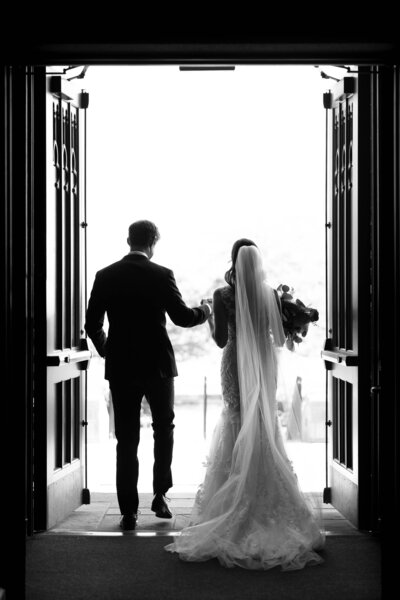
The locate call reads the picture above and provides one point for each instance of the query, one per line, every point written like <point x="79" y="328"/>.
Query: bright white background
<point x="211" y="157"/>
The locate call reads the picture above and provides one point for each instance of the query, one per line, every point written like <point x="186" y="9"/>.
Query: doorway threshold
<point x="102" y="516"/>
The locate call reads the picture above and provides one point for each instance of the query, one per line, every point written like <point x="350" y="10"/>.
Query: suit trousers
<point x="127" y="399"/>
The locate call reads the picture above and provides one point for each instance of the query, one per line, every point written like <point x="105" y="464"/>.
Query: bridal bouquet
<point x="296" y="316"/>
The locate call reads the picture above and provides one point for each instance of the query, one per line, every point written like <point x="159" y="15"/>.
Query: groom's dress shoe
<point x="159" y="506"/>
<point x="128" y="522"/>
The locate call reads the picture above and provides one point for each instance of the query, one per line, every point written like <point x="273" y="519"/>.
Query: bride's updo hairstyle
<point x="230" y="275"/>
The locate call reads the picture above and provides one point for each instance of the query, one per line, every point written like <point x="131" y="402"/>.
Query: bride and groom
<point x="249" y="510"/>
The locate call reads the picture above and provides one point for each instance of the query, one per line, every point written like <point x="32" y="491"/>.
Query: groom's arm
<point x="95" y="317"/>
<point x="179" y="313"/>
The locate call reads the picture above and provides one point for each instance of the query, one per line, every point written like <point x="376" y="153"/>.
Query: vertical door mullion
<point x="335" y="208"/>
<point x="67" y="224"/>
<point x="341" y="228"/>
<point x="349" y="426"/>
<point x="67" y="422"/>
<point x="349" y="225"/>
<point x="59" y="199"/>
<point x="75" y="246"/>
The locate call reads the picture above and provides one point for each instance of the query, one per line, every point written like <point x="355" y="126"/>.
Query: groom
<point x="139" y="359"/>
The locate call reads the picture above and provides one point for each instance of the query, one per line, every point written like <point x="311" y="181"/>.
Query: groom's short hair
<point x="143" y="233"/>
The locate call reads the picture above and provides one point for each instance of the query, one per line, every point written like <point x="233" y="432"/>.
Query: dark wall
<point x="387" y="235"/>
<point x="16" y="351"/>
<point x="23" y="307"/>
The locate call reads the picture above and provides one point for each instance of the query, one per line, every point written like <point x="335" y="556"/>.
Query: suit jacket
<point x="136" y="294"/>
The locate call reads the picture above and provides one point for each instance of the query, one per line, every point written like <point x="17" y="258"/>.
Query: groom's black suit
<point x="139" y="360"/>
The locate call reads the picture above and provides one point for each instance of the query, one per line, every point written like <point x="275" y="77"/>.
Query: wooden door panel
<point x="343" y="255"/>
<point x="67" y="354"/>
<point x="349" y="289"/>
<point x="344" y="450"/>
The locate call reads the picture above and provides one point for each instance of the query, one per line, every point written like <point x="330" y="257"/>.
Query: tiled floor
<point x="102" y="517"/>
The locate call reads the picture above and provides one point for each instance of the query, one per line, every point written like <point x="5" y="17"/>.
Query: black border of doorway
<point x="22" y="187"/>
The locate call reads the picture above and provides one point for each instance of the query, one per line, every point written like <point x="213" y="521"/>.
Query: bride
<point x="249" y="510"/>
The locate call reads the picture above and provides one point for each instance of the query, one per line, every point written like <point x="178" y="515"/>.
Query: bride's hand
<point x="209" y="302"/>
<point x="206" y="300"/>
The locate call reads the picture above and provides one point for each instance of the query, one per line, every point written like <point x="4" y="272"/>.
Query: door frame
<point x="68" y="357"/>
<point x="25" y="188"/>
<point x="349" y="364"/>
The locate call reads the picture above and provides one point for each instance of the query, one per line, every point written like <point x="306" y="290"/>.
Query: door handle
<point x="78" y="356"/>
<point x="341" y="357"/>
<point x="56" y="359"/>
<point x="331" y="356"/>
<point x="68" y="356"/>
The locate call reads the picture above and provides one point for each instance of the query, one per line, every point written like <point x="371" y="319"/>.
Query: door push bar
<point x="331" y="356"/>
<point x="81" y="356"/>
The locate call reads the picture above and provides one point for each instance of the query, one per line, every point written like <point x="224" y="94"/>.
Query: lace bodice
<point x="228" y="299"/>
<point x="229" y="373"/>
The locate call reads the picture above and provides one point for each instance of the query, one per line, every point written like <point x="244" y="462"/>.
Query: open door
<point x="347" y="347"/>
<point x="61" y="467"/>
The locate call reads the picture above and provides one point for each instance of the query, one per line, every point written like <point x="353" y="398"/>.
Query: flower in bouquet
<point x="296" y="316"/>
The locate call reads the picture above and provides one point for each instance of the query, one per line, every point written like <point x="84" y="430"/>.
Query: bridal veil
<point x="257" y="518"/>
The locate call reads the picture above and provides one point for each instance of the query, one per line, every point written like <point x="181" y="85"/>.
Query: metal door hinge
<point x="327" y="495"/>
<point x="328" y="99"/>
<point x="83" y="99"/>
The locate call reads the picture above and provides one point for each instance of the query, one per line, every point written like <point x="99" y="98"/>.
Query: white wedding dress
<point x="249" y="510"/>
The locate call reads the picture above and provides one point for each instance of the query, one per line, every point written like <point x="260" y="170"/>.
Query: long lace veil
<point x="260" y="340"/>
<point x="259" y="334"/>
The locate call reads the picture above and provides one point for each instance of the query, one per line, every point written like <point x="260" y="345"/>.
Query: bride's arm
<point x="218" y="321"/>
